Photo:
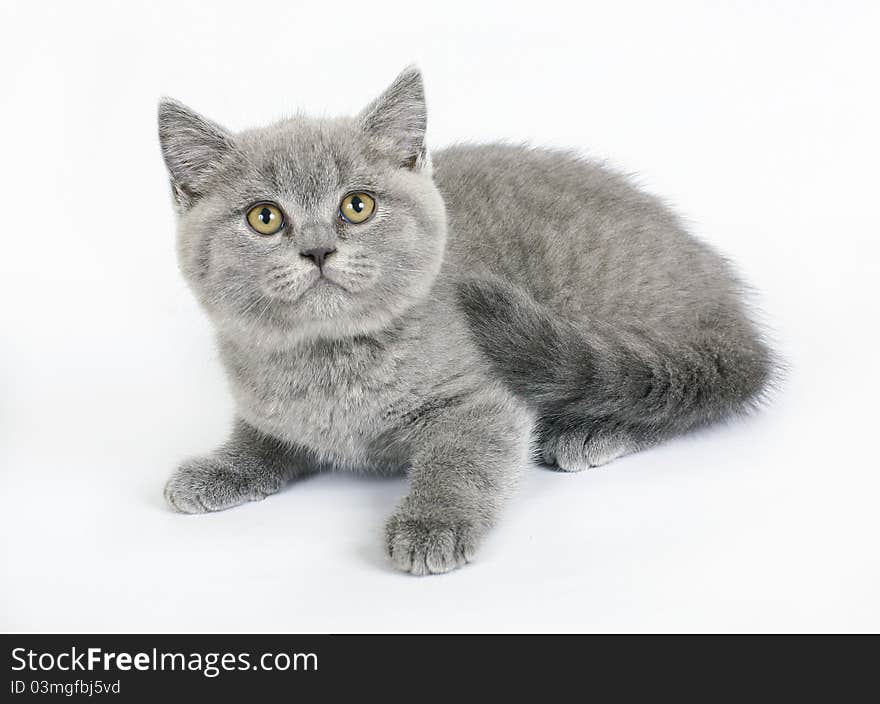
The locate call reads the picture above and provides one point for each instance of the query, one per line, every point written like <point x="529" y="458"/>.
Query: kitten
<point x="377" y="310"/>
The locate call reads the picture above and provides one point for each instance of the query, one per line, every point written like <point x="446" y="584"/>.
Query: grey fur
<point x="498" y="291"/>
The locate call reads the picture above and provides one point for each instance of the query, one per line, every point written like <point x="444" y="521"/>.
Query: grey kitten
<point x="379" y="312"/>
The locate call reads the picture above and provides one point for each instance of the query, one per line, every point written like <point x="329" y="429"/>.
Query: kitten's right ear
<point x="192" y="147"/>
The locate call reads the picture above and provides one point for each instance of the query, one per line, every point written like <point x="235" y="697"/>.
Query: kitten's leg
<point x="248" y="467"/>
<point x="603" y="390"/>
<point x="465" y="465"/>
<point x="642" y="390"/>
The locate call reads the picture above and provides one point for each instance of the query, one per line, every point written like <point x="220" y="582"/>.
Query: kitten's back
<point x="577" y="236"/>
<point x="593" y="303"/>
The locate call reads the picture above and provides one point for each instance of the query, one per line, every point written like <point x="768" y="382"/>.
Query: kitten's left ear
<point x="396" y="121"/>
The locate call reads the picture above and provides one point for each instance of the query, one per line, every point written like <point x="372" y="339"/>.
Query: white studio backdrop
<point x="758" y="121"/>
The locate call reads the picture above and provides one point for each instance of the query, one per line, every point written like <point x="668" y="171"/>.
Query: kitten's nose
<point x="317" y="255"/>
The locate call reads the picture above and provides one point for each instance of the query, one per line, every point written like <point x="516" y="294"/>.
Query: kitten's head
<point x="307" y="228"/>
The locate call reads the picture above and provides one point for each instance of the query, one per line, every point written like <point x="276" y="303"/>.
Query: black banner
<point x="135" y="668"/>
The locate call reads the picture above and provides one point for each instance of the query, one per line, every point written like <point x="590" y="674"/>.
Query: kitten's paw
<point x="213" y="484"/>
<point x="573" y="451"/>
<point x="428" y="546"/>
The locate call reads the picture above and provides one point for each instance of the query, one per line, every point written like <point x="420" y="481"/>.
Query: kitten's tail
<point x="571" y="372"/>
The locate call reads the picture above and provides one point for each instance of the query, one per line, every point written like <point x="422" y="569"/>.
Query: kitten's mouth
<point x="323" y="278"/>
<point x="312" y="288"/>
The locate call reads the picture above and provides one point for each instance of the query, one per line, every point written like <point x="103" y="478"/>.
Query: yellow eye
<point x="357" y="207"/>
<point x="265" y="218"/>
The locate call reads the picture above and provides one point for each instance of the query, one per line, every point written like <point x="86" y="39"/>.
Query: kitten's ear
<point x="192" y="147"/>
<point x="397" y="119"/>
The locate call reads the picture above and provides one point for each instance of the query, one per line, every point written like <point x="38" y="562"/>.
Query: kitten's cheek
<point x="358" y="283"/>
<point x="354" y="279"/>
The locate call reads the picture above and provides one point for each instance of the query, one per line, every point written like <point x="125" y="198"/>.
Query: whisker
<point x="281" y="275"/>
<point x="265" y="309"/>
<point x="250" y="306"/>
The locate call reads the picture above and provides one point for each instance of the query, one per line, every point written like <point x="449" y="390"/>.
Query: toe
<point x="602" y="450"/>
<point x="427" y="547"/>
<point x="575" y="452"/>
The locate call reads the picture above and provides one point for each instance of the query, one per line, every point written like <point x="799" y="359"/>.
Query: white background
<point x="758" y="121"/>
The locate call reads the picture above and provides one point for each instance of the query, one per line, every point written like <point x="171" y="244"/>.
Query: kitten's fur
<point x="500" y="292"/>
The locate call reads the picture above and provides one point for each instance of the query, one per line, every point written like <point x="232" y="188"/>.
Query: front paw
<point x="214" y="483"/>
<point x="427" y="545"/>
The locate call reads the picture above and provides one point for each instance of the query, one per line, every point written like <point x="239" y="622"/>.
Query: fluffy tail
<point x="661" y="383"/>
